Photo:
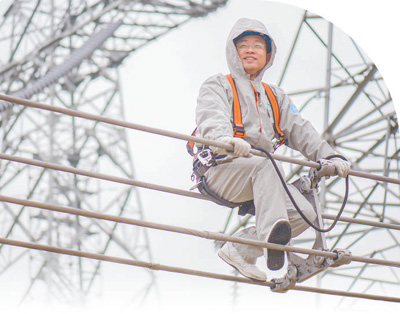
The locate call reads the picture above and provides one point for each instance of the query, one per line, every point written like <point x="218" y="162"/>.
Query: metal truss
<point x="67" y="53"/>
<point x="337" y="88"/>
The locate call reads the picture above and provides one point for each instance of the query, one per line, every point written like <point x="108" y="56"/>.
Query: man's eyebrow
<point x="244" y="39"/>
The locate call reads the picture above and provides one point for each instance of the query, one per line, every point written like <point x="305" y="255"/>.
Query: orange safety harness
<point x="204" y="159"/>
<point x="238" y="128"/>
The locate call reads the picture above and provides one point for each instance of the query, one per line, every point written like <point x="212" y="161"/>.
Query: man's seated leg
<point x="255" y="178"/>
<point x="272" y="221"/>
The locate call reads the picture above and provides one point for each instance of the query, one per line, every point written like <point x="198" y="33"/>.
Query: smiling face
<point x="252" y="52"/>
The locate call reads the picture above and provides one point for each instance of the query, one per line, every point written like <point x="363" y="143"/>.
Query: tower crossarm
<point x="68" y="25"/>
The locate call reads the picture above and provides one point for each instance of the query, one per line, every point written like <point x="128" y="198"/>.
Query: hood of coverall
<point x="232" y="56"/>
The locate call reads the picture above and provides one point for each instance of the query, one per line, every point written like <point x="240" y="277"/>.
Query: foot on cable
<point x="230" y="255"/>
<point x="279" y="234"/>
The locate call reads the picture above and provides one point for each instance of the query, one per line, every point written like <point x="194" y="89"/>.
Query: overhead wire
<point x="363" y="222"/>
<point x="102" y="176"/>
<point x="204" y="234"/>
<point x="187" y="271"/>
<point x="156" y="187"/>
<point x="176" y="135"/>
<point x="192" y="232"/>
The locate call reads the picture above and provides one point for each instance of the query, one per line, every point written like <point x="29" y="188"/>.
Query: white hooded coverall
<point x="254" y="178"/>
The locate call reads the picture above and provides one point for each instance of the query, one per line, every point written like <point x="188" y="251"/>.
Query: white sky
<point x="160" y="86"/>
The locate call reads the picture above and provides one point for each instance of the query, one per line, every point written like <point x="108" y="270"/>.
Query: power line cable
<point x="160" y="188"/>
<point x="193" y="232"/>
<point x="102" y="176"/>
<point x="187" y="271"/>
<point x="129" y="125"/>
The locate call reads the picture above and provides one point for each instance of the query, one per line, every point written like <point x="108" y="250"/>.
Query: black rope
<point x="294" y="202"/>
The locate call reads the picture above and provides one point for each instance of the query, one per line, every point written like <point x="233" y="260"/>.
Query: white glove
<point x="342" y="166"/>
<point x="240" y="147"/>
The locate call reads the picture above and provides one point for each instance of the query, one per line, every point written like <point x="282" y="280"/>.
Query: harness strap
<point x="190" y="144"/>
<point x="275" y="111"/>
<point x="238" y="128"/>
<point x="238" y="131"/>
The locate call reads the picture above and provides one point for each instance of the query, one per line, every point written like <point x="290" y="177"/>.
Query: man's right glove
<point x="240" y="146"/>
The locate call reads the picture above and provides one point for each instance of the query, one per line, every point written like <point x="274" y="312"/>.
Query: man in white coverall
<point x="250" y="51"/>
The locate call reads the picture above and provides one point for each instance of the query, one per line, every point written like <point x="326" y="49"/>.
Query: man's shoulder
<point x="216" y="80"/>
<point x="216" y="77"/>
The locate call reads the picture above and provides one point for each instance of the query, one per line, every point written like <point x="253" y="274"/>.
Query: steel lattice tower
<point x="67" y="53"/>
<point x="345" y="97"/>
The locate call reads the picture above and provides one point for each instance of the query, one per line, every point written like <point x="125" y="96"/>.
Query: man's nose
<point x="250" y="49"/>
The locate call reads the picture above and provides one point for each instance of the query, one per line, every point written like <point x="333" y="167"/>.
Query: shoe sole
<point x="227" y="260"/>
<point x="280" y="234"/>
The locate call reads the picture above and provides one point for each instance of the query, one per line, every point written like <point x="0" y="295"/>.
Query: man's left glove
<point x="342" y="167"/>
<point x="240" y="146"/>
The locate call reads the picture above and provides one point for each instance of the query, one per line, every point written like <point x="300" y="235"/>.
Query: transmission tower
<point x="67" y="54"/>
<point x="341" y="91"/>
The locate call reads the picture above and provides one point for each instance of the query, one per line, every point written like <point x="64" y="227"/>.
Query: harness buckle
<point x="239" y="131"/>
<point x="205" y="157"/>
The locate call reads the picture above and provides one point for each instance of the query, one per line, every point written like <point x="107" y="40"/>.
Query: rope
<point x="201" y="234"/>
<point x="162" y="188"/>
<point x="129" y="125"/>
<point x="187" y="271"/>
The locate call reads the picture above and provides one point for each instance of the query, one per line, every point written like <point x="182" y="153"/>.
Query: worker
<point x="250" y="51"/>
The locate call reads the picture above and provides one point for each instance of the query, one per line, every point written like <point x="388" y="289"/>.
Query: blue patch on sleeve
<point x="293" y="108"/>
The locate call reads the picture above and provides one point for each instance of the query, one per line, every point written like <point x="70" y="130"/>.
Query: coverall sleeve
<point x="213" y="111"/>
<point x="301" y="134"/>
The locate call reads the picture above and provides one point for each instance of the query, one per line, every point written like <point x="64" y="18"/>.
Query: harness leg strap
<point x="205" y="190"/>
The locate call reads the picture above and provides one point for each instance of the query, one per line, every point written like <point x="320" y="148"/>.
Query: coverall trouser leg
<point x="256" y="179"/>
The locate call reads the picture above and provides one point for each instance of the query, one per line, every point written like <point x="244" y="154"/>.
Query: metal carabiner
<point x="205" y="157"/>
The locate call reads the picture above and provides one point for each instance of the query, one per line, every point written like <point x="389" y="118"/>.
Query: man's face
<point x="252" y="52"/>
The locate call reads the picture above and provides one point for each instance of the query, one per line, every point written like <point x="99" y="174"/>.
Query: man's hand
<point x="342" y="167"/>
<point x="240" y="147"/>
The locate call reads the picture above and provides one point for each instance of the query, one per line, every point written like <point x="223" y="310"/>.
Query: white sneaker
<point x="231" y="256"/>
<point x="279" y="234"/>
